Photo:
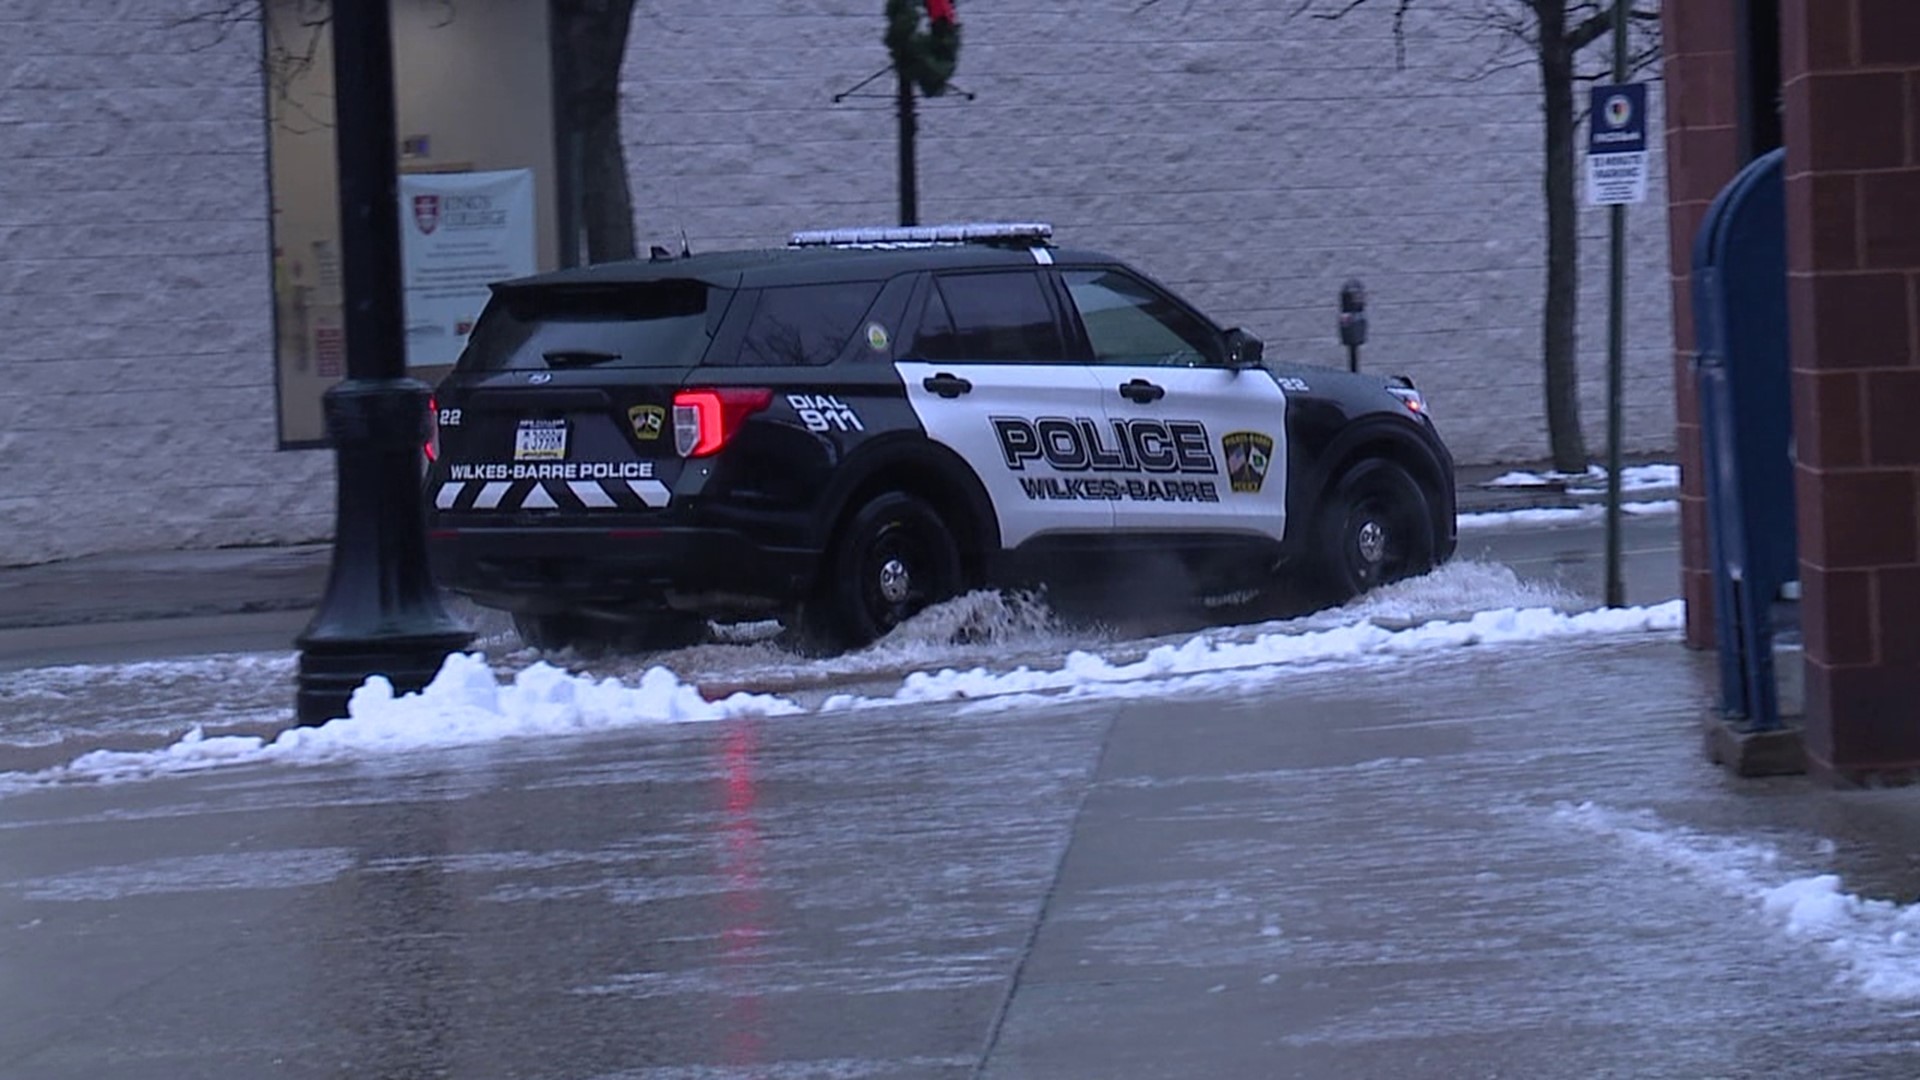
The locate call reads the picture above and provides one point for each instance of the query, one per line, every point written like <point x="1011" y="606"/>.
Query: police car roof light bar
<point x="1023" y="233"/>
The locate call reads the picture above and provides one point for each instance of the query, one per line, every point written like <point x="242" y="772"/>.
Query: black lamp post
<point x="381" y="614"/>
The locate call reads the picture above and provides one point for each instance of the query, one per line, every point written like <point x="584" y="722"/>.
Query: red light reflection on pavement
<point x="744" y="1040"/>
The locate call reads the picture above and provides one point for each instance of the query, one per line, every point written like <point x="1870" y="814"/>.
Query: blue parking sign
<point x="1617" y="145"/>
<point x="1619" y="120"/>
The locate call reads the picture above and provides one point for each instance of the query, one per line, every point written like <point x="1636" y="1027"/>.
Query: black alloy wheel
<point x="891" y="560"/>
<point x="1375" y="528"/>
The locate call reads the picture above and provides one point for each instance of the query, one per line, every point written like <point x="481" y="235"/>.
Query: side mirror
<point x="1244" y="350"/>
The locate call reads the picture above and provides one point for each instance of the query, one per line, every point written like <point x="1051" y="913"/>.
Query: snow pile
<point x="1876" y="942"/>
<point x="1084" y="673"/>
<point x="1594" y="480"/>
<point x="467" y="704"/>
<point x="1635" y="478"/>
<point x="464" y="705"/>
<point x="1557" y="516"/>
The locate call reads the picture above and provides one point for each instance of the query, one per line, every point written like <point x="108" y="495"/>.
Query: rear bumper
<point x="618" y="570"/>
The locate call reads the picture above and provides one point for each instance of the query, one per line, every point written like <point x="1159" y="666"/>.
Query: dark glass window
<point x="993" y="317"/>
<point x="1129" y="322"/>
<point x="657" y="324"/>
<point x="806" y="324"/>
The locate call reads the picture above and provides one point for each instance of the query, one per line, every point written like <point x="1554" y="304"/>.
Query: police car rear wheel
<point x="1374" y="530"/>
<point x="892" y="559"/>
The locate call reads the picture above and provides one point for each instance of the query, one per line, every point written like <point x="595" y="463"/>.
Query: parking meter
<point x="1353" y="320"/>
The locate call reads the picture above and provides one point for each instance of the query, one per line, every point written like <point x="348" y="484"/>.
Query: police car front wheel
<point x="891" y="559"/>
<point x="1374" y="529"/>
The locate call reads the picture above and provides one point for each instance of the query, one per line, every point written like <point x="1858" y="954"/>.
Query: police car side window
<point x="1129" y="322"/>
<point x="805" y="324"/>
<point x="997" y="317"/>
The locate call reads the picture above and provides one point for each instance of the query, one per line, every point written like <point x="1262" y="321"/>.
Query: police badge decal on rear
<point x="648" y="421"/>
<point x="1248" y="455"/>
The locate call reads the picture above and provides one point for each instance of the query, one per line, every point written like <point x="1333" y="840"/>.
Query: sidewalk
<point x="125" y="587"/>
<point x="1475" y="864"/>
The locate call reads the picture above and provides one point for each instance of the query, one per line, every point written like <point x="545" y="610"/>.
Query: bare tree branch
<point x="1600" y="24"/>
<point x="1554" y="34"/>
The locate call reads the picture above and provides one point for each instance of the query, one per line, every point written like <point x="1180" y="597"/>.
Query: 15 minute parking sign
<point x="1617" y="145"/>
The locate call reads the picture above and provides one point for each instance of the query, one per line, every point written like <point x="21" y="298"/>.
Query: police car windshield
<point x="665" y="324"/>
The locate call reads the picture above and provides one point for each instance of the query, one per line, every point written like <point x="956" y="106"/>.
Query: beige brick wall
<point x="1250" y="160"/>
<point x="137" y="407"/>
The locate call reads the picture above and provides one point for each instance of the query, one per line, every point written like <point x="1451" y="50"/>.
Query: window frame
<point x="928" y="288"/>
<point x="734" y="354"/>
<point x="1083" y="343"/>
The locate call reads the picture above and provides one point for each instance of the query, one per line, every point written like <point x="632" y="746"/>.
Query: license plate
<point x="540" y="440"/>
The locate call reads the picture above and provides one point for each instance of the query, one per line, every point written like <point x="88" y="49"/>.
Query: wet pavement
<point x="1379" y="869"/>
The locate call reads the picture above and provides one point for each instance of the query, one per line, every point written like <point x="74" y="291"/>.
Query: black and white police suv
<point x="868" y="421"/>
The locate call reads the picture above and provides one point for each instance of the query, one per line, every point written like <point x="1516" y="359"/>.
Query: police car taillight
<point x="704" y="421"/>
<point x="432" y="445"/>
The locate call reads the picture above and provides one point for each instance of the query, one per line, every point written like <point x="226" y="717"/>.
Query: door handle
<point x="1141" y="391"/>
<point x="947" y="385"/>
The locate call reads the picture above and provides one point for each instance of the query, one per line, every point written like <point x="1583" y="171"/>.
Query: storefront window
<point x="474" y="93"/>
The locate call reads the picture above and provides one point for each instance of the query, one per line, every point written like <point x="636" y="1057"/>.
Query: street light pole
<point x="381" y="614"/>
<point x="904" y="107"/>
<point x="1616" y="588"/>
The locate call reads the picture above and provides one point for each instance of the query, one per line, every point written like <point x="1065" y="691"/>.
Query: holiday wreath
<point x="926" y="57"/>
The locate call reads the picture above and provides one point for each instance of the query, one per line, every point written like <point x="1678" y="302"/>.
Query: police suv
<point x="868" y="421"/>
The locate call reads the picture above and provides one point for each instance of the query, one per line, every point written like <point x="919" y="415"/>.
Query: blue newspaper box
<point x="1741" y="371"/>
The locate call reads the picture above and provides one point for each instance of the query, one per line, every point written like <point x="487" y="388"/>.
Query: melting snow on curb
<point x="1876" y="942"/>
<point x="467" y="704"/>
<point x="1556" y="516"/>
<point x="1632" y="478"/>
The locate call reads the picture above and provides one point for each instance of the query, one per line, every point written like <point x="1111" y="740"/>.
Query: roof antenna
<point x="686" y="250"/>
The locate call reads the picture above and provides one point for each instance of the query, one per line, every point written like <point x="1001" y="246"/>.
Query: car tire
<point x="594" y="635"/>
<point x="1374" y="528"/>
<point x="893" y="558"/>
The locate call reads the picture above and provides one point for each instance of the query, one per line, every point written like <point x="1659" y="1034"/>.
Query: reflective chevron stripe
<point x="491" y="492"/>
<point x="591" y="494"/>
<point x="455" y="496"/>
<point x="652" y="492"/>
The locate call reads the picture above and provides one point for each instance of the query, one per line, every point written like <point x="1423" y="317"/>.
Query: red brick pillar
<point x="1852" y="75"/>
<point x="1703" y="154"/>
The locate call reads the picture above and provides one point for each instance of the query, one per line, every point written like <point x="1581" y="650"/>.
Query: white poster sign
<point x="459" y="233"/>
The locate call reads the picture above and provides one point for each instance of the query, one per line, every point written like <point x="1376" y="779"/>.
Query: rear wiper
<point x="579" y="357"/>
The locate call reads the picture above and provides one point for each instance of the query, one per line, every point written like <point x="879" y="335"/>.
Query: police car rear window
<point x="805" y="324"/>
<point x="999" y="316"/>
<point x="651" y="325"/>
